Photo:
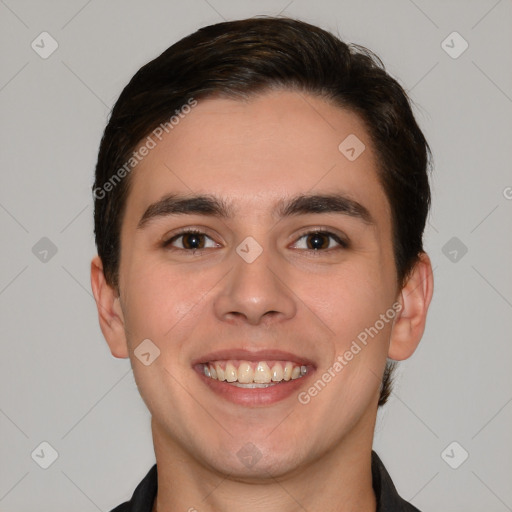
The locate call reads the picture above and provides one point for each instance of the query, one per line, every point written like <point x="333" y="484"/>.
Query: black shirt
<point x="388" y="499"/>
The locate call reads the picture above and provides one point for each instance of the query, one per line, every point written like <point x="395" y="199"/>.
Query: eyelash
<point x="343" y="244"/>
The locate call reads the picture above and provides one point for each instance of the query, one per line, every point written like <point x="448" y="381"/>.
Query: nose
<point x="255" y="293"/>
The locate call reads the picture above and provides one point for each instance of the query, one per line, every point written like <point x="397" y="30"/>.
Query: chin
<point x="250" y="462"/>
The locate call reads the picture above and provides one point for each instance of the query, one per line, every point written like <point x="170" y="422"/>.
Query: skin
<point x="311" y="303"/>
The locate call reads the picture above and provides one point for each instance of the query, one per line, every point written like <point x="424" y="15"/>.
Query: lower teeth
<point x="253" y="385"/>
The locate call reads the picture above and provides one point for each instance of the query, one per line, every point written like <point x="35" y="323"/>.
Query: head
<point x="250" y="115"/>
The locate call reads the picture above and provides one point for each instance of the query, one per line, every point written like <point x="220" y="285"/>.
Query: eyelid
<point x="168" y="238"/>
<point x="339" y="238"/>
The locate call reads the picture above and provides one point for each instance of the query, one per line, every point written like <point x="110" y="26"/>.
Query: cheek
<point x="351" y="303"/>
<point x="348" y="300"/>
<point x="160" y="298"/>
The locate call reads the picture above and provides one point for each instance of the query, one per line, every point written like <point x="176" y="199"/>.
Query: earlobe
<point x="109" y="310"/>
<point x="415" y="299"/>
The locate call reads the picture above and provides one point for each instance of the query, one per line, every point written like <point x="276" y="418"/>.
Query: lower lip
<point x="254" y="396"/>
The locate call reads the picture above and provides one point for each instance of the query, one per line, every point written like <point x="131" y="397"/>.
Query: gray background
<point x="58" y="380"/>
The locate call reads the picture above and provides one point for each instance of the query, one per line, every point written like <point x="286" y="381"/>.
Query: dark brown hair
<point x="239" y="59"/>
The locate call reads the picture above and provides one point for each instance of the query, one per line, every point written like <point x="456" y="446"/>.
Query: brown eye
<point x="320" y="240"/>
<point x="317" y="241"/>
<point x="190" y="240"/>
<point x="193" y="241"/>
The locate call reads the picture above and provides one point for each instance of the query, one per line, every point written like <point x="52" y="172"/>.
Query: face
<point x="259" y="281"/>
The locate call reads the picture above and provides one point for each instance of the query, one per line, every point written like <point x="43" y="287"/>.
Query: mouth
<point x="251" y="375"/>
<point x="253" y="378"/>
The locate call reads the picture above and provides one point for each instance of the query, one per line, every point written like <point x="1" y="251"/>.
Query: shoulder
<point x="388" y="499"/>
<point x="124" y="507"/>
<point x="144" y="495"/>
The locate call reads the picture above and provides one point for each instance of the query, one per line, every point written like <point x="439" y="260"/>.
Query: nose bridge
<point x="255" y="288"/>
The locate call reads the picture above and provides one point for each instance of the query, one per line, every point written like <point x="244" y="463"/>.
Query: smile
<point x="250" y="374"/>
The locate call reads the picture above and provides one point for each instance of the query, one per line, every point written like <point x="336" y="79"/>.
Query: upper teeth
<point x="247" y="372"/>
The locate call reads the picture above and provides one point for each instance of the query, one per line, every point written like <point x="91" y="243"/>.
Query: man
<point x="260" y="198"/>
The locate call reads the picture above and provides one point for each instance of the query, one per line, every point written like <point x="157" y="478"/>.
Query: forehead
<point x="256" y="152"/>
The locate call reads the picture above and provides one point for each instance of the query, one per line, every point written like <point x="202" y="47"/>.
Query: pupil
<point x="317" y="241"/>
<point x="193" y="241"/>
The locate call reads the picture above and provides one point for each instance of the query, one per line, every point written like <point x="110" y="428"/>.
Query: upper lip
<point x="255" y="356"/>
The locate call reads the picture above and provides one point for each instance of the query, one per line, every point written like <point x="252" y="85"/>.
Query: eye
<point x="196" y="240"/>
<point x="190" y="240"/>
<point x="320" y="240"/>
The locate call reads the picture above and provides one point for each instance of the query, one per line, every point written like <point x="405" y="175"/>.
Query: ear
<point x="414" y="299"/>
<point x="109" y="310"/>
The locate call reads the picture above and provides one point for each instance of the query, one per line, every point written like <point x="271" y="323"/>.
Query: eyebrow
<point x="209" y="205"/>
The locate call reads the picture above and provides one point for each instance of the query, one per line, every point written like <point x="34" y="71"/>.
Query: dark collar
<point x="388" y="499"/>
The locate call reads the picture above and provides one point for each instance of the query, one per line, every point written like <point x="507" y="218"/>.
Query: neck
<point x="337" y="481"/>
